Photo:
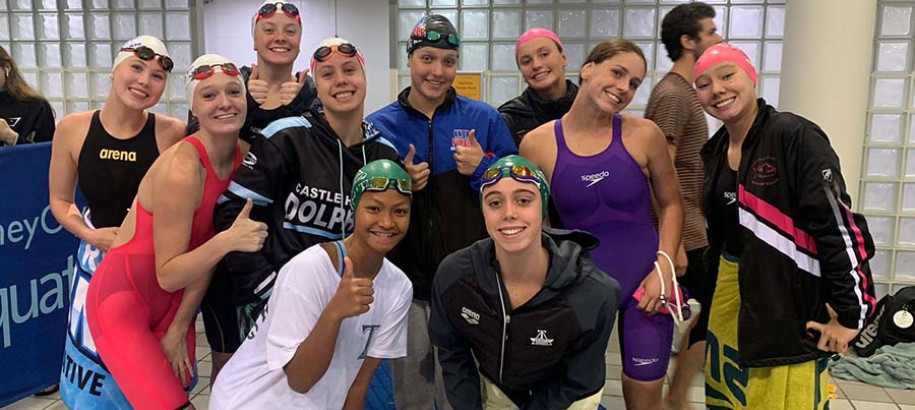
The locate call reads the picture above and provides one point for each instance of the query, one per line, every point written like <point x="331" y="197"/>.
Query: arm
<point x="355" y="398"/>
<point x="62" y="175"/>
<point x="312" y="357"/>
<point x="170" y="131"/>
<point x="459" y="372"/>
<point x="44" y="128"/>
<point x="670" y="112"/>
<point x="843" y="243"/>
<point x="499" y="144"/>
<point x="510" y="123"/>
<point x="174" y="342"/>
<point x="666" y="189"/>
<point x="584" y="367"/>
<point x="257" y="179"/>
<point x="178" y="180"/>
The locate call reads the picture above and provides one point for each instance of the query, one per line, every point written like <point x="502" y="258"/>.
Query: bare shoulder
<point x="169" y="130"/>
<point x="179" y="169"/>
<point x="74" y="125"/>
<point x="71" y="132"/>
<point x="540" y="143"/>
<point x="641" y="129"/>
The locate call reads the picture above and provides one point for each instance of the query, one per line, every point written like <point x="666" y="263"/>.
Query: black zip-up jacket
<point x="801" y="245"/>
<point x="258" y="118"/>
<point x="528" y="111"/>
<point x="445" y="215"/>
<point x="32" y="119"/>
<point x="299" y="175"/>
<point x="545" y="354"/>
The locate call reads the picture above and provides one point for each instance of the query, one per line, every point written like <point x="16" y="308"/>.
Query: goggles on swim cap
<point x="324" y="53"/>
<point x="205" y="71"/>
<point x="516" y="167"/>
<point x="520" y="173"/>
<point x="379" y="176"/>
<point x="435" y="31"/>
<point x="145" y="53"/>
<point x="269" y="9"/>
<point x="379" y="184"/>
<point x="434" y="37"/>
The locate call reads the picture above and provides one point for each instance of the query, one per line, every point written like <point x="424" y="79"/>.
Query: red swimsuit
<point x="128" y="313"/>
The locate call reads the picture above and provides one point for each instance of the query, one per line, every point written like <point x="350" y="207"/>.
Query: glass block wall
<point x="489" y="29"/>
<point x="887" y="194"/>
<point x="65" y="48"/>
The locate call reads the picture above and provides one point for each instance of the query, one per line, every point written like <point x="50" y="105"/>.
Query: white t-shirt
<point x="254" y="378"/>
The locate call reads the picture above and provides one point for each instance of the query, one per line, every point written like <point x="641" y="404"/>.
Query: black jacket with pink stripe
<point x="801" y="245"/>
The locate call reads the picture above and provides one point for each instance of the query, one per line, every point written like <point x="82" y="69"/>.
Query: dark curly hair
<point x="683" y="20"/>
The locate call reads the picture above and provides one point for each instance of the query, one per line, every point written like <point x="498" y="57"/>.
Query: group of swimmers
<point x="318" y="242"/>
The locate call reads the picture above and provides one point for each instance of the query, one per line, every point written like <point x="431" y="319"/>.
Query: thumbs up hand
<point x="354" y="295"/>
<point x="256" y="87"/>
<point x="419" y="173"/>
<point x="290" y="89"/>
<point x="468" y="158"/>
<point x="245" y="234"/>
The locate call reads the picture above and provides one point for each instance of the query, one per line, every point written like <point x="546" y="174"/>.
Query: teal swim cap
<point x="379" y="176"/>
<point x="520" y="169"/>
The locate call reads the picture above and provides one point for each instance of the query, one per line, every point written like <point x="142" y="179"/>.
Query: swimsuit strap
<point x="341" y="253"/>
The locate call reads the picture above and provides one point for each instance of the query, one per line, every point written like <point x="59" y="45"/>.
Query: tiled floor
<point x="851" y="395"/>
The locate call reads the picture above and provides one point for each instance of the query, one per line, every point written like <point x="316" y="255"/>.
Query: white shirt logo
<point x="595" y="178"/>
<point x="470" y="316"/>
<point x="541" y="339"/>
<point x="731" y="197"/>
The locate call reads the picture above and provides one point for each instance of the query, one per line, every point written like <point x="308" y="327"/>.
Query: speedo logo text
<point x="594" y="178"/>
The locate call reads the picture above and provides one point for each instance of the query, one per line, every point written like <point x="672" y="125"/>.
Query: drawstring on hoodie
<point x="342" y="193"/>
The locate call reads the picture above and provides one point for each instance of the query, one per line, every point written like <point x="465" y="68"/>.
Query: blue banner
<point x="37" y="265"/>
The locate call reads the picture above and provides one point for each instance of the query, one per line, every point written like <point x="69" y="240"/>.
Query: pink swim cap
<point x="724" y="53"/>
<point x="537" y="32"/>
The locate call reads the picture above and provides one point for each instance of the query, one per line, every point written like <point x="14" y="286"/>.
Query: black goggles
<point x="268" y="10"/>
<point x="325" y="52"/>
<point x="145" y="53"/>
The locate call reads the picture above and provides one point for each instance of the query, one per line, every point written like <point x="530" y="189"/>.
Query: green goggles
<point x="376" y="184"/>
<point x="434" y="36"/>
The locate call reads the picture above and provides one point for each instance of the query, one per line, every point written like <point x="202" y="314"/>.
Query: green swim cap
<point x="520" y="169"/>
<point x="379" y="176"/>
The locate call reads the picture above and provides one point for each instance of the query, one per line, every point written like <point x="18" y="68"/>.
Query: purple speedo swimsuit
<point x="608" y="195"/>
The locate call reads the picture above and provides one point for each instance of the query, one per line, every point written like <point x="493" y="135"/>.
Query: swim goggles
<point x="145" y="53"/>
<point x="324" y="53"/>
<point x="205" y="71"/>
<point x="678" y="308"/>
<point x="269" y="9"/>
<point x="434" y="36"/>
<point x="518" y="172"/>
<point x="377" y="184"/>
